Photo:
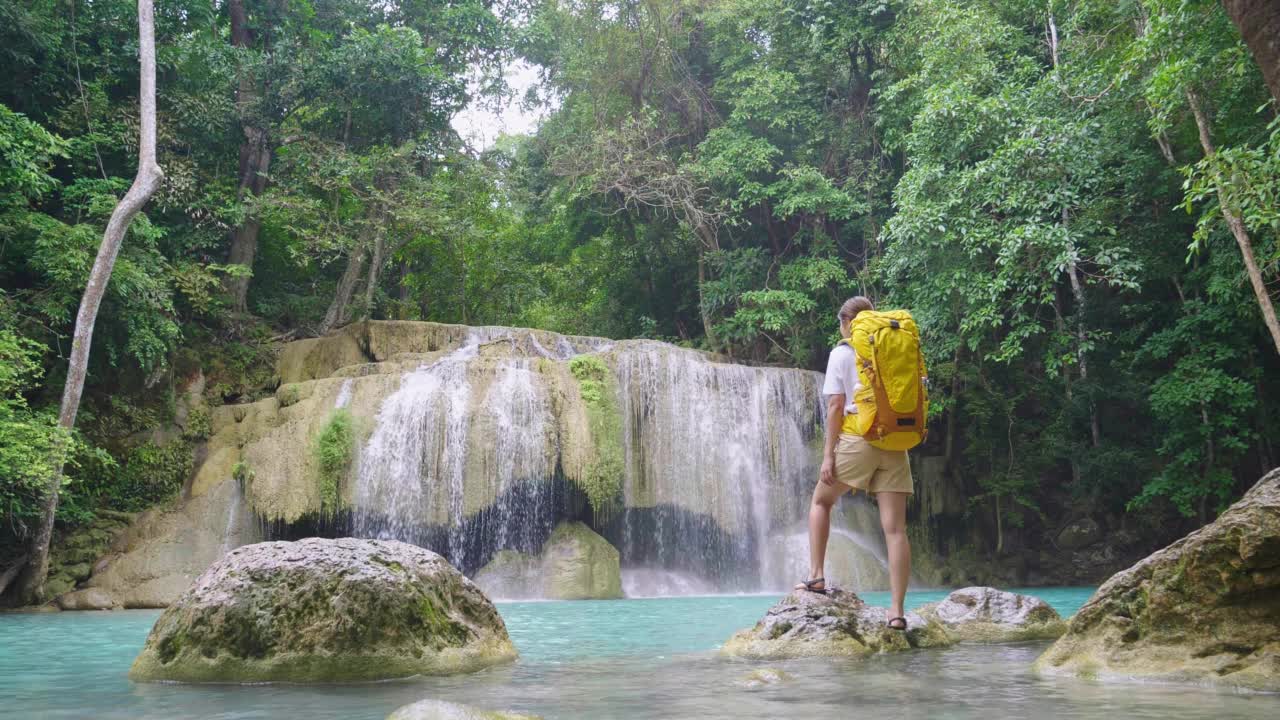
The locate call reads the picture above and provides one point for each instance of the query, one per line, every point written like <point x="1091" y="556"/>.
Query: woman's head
<point x="850" y="309"/>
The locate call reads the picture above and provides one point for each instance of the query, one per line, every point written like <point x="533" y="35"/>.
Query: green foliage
<point x="27" y="437"/>
<point x="334" y="449"/>
<point x="602" y="479"/>
<point x="27" y="152"/>
<point x="150" y="473"/>
<point x="199" y="425"/>
<point x="242" y="473"/>
<point x="720" y="174"/>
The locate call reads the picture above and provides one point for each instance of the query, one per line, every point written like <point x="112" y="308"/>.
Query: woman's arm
<point x="835" y="421"/>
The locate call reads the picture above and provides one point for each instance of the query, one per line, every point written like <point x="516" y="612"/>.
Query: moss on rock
<point x="835" y="624"/>
<point x="325" y="611"/>
<point x="601" y="478"/>
<point x="988" y="615"/>
<point x="575" y="564"/>
<point x="1205" y="609"/>
<point x="334" y="449"/>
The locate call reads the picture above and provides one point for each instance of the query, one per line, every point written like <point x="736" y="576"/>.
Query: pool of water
<point x="652" y="658"/>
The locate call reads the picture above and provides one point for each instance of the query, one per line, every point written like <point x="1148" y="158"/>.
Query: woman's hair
<point x="854" y="305"/>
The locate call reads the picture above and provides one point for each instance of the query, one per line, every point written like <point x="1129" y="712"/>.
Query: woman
<point x="851" y="463"/>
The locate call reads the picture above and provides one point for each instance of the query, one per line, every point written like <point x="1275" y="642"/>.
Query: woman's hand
<point x="828" y="473"/>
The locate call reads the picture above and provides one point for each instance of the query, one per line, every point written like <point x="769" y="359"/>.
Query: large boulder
<point x="835" y="624"/>
<point x="325" y="611"/>
<point x="1206" y="609"/>
<point x="441" y="710"/>
<point x="1079" y="533"/>
<point x="575" y="564"/>
<point x="984" y="614"/>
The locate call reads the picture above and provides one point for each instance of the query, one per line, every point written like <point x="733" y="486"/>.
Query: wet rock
<point x="156" y="559"/>
<point x="1079" y="533"/>
<point x="441" y="710"/>
<point x="835" y="624"/>
<point x="575" y="564"/>
<point x="764" y="677"/>
<point x="325" y="611"/>
<point x="1205" y="609"/>
<point x="89" y="599"/>
<point x="984" y="614"/>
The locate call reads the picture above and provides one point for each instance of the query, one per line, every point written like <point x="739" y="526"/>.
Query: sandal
<point x="893" y="624"/>
<point x="811" y="586"/>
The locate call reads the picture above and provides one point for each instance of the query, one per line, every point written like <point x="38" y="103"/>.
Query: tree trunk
<point x="1237" y="226"/>
<point x="8" y="575"/>
<point x="1077" y="292"/>
<point x="1210" y="460"/>
<point x="949" y="451"/>
<point x="402" y="288"/>
<point x="1259" y="23"/>
<point x="999" y="527"/>
<point x="1061" y="326"/>
<point x="339" y="312"/>
<point x="702" y="308"/>
<point x="255" y="162"/>
<point x="375" y="271"/>
<point x="144" y="185"/>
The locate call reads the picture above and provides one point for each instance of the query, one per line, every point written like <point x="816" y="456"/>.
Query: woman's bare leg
<point x="824" y="498"/>
<point x="893" y="520"/>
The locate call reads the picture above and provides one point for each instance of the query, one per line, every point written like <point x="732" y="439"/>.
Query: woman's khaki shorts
<point x="862" y="466"/>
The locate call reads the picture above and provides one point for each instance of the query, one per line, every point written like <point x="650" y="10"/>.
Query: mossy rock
<point x="764" y="677"/>
<point x="832" y="624"/>
<point x="58" y="585"/>
<point x="575" y="564"/>
<point x="325" y="611"/>
<point x="988" y="615"/>
<point x="1205" y="609"/>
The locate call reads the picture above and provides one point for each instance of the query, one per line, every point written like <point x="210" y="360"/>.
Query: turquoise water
<point x="610" y="659"/>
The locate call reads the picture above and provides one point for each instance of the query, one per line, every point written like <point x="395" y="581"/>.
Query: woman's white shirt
<point x="842" y="376"/>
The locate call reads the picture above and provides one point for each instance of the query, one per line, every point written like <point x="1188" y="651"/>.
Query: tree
<point x="1194" y="59"/>
<point x="144" y="185"/>
<point x="1259" y="24"/>
<point x="256" y="151"/>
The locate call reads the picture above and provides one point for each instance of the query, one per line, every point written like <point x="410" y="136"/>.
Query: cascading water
<point x="718" y="463"/>
<point x="462" y="459"/>
<point x="731" y="441"/>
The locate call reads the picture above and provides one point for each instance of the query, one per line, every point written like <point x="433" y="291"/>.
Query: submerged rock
<point x="835" y="624"/>
<point x="325" y="611"/>
<point x="575" y="564"/>
<point x="984" y="614"/>
<point x="763" y="677"/>
<point x="1204" y="609"/>
<point x="441" y="710"/>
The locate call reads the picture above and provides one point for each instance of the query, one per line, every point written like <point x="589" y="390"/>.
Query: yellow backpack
<point x="893" y="403"/>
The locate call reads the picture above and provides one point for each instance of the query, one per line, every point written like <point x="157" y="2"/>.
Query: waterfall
<point x="733" y="442"/>
<point x="445" y="447"/>
<point x="719" y="461"/>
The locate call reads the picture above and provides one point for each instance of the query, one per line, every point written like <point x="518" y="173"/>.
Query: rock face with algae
<point x="325" y="611"/>
<point x="1205" y="609"/>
